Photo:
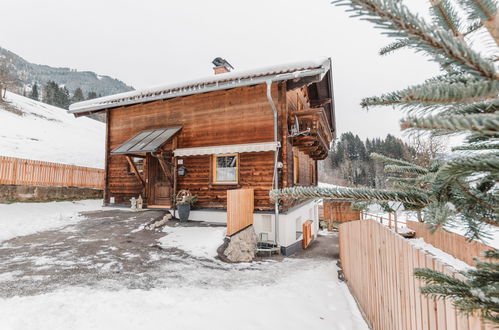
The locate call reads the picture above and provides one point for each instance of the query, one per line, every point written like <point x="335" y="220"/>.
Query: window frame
<point x="142" y="168"/>
<point x="214" y="170"/>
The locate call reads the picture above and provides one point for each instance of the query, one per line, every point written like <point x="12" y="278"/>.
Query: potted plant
<point x="184" y="202"/>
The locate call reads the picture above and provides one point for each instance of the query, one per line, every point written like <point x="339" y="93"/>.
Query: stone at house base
<point x="27" y="193"/>
<point x="240" y="247"/>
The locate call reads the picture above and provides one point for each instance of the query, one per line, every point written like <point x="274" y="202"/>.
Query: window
<point x="225" y="169"/>
<point x="139" y="164"/>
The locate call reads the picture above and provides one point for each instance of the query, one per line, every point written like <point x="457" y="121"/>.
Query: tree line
<point x="59" y="96"/>
<point x="351" y="165"/>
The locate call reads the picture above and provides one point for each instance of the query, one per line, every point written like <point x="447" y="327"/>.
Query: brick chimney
<point x="221" y="65"/>
<point x="220" y="69"/>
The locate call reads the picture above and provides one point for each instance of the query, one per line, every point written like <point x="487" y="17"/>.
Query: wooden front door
<point x="160" y="184"/>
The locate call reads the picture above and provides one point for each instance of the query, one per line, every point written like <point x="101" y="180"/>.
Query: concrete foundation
<point x="26" y="193"/>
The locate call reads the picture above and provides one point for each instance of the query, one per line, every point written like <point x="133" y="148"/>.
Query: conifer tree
<point x="91" y="95"/>
<point x="34" y="94"/>
<point x="463" y="99"/>
<point x="78" y="95"/>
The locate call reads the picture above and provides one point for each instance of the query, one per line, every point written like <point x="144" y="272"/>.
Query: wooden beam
<point x="134" y="168"/>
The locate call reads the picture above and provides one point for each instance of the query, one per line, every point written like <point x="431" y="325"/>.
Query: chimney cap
<point x="218" y="61"/>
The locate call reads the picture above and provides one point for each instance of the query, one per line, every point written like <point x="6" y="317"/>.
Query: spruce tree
<point x="78" y="96"/>
<point x="463" y="99"/>
<point x="34" y="92"/>
<point x="91" y="95"/>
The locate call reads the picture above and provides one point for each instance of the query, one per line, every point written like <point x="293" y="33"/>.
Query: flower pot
<point x="183" y="211"/>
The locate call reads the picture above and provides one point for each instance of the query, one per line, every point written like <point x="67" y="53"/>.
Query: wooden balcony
<point x="314" y="136"/>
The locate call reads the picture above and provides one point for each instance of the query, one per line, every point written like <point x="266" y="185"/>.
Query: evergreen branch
<point x="473" y="27"/>
<point x="472" y="147"/>
<point x="406" y="169"/>
<point x="388" y="160"/>
<point x="481" y="9"/>
<point x="343" y="193"/>
<point x="397" y="21"/>
<point x="446" y="16"/>
<point x="459" y="168"/>
<point x="489" y="106"/>
<point x="435" y="277"/>
<point x="437" y="93"/>
<point x="394" y="46"/>
<point x="486" y="124"/>
<point x="475" y="198"/>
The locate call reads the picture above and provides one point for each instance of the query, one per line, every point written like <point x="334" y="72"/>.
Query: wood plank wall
<point x="378" y="265"/>
<point x="32" y="172"/>
<point x="236" y="116"/>
<point x="241" y="115"/>
<point x="451" y="243"/>
<point x="239" y="210"/>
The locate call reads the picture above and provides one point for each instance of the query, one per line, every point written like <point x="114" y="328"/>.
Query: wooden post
<point x="390" y="220"/>
<point x="134" y="168"/>
<point x="396" y="223"/>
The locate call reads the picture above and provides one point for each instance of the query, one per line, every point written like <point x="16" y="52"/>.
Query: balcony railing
<point x="314" y="134"/>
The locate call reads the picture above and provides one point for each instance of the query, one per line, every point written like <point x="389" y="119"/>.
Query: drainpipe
<point x="276" y="158"/>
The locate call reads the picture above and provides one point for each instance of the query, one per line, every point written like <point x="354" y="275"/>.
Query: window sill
<point x="224" y="185"/>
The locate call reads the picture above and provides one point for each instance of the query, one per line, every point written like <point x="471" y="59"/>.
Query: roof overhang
<point x="300" y="73"/>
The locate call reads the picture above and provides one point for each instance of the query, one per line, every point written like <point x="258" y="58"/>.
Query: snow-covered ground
<point x="193" y="291"/>
<point x="43" y="132"/>
<point x="200" y="242"/>
<point x="306" y="295"/>
<point x="21" y="219"/>
<point x="403" y="216"/>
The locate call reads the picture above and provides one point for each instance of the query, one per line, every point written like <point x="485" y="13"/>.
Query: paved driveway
<point x="111" y="250"/>
<point x="108" y="249"/>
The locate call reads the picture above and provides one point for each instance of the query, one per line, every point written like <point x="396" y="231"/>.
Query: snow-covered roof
<point x="228" y="80"/>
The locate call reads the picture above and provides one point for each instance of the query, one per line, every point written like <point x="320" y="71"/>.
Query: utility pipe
<point x="276" y="158"/>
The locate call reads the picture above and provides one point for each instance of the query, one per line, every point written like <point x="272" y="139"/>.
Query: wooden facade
<point x="235" y="116"/>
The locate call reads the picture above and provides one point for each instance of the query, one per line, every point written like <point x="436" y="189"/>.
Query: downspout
<point x="276" y="158"/>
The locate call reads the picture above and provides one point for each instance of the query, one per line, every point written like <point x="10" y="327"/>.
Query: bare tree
<point x="427" y="147"/>
<point x="6" y="79"/>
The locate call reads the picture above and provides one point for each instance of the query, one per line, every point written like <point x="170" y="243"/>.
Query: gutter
<point x="276" y="158"/>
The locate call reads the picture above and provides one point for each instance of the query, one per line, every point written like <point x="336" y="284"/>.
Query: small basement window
<point x="139" y="164"/>
<point x="225" y="169"/>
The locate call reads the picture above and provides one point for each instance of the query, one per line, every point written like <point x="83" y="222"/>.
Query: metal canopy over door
<point x="156" y="146"/>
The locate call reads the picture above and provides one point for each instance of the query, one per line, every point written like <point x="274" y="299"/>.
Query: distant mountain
<point x="26" y="74"/>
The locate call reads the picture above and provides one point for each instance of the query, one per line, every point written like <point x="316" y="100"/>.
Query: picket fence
<point x="20" y="171"/>
<point x="378" y="266"/>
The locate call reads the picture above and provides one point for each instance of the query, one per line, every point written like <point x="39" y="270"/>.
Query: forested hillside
<point x="56" y="86"/>
<point x="349" y="163"/>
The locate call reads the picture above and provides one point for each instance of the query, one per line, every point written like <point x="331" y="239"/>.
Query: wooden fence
<point x="32" y="172"/>
<point x="240" y="204"/>
<point x="451" y="243"/>
<point x="339" y="211"/>
<point x="378" y="265"/>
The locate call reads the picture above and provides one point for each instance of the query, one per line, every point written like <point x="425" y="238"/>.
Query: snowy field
<point x="185" y="289"/>
<point x="39" y="131"/>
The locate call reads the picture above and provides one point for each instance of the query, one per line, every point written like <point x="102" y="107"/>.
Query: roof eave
<point x="208" y="87"/>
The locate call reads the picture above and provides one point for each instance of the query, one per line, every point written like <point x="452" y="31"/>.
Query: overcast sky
<point x="150" y="42"/>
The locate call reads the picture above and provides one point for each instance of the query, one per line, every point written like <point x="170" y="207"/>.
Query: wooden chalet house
<point x="222" y="132"/>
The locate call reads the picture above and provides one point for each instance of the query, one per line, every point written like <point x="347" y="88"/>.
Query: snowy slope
<point x="38" y="131"/>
